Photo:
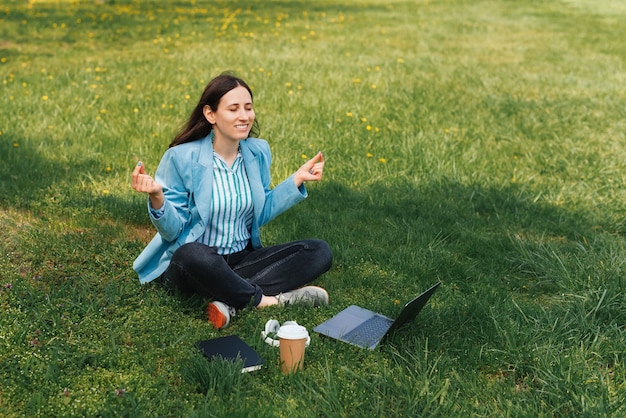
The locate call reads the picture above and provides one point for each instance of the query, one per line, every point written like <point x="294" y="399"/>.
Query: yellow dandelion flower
<point x="129" y="86"/>
<point x="108" y="168"/>
<point x="369" y="155"/>
<point x="187" y="97"/>
<point x="136" y="110"/>
<point x="44" y="98"/>
<point x="24" y="84"/>
<point x="287" y="84"/>
<point x="349" y="114"/>
<point x="15" y="145"/>
<point x="3" y="60"/>
<point x="373" y="86"/>
<point x="400" y="61"/>
<point x="304" y="157"/>
<point x="105" y="192"/>
<point x="103" y="111"/>
<point x="382" y="160"/>
<point x="356" y="80"/>
<point x="368" y="127"/>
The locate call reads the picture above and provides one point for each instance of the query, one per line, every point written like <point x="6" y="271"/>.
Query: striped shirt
<point x="230" y="220"/>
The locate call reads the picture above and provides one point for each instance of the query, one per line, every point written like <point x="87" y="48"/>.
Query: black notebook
<point x="231" y="348"/>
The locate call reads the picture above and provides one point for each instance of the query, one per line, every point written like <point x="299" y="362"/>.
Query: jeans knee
<point x="194" y="253"/>
<point x="323" y="253"/>
<point x="185" y="252"/>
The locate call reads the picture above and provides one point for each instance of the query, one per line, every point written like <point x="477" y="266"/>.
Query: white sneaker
<point x="219" y="313"/>
<point x="308" y="295"/>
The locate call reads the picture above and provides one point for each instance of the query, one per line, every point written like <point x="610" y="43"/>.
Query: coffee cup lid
<point x="292" y="332"/>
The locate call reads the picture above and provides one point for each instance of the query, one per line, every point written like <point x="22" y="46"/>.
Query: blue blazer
<point x="186" y="174"/>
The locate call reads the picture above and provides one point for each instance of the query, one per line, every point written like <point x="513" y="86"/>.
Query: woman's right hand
<point x="144" y="183"/>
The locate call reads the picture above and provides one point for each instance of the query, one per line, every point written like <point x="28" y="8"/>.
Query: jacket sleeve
<point x="176" y="214"/>
<point x="280" y="198"/>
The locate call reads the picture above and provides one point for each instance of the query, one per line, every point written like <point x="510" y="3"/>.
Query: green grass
<point x="478" y="143"/>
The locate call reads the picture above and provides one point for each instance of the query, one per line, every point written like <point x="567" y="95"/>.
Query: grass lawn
<point x="481" y="143"/>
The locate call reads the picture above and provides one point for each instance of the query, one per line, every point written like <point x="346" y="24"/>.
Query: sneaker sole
<point x="216" y="317"/>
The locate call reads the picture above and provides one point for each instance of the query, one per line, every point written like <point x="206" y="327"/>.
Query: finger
<point x="319" y="157"/>
<point x="141" y="167"/>
<point x="136" y="172"/>
<point x="315" y="173"/>
<point x="317" y="168"/>
<point x="314" y="162"/>
<point x="315" y="159"/>
<point x="137" y="169"/>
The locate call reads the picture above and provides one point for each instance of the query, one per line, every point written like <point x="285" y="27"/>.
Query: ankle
<point x="267" y="301"/>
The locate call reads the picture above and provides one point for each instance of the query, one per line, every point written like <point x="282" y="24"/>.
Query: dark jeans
<point x="241" y="279"/>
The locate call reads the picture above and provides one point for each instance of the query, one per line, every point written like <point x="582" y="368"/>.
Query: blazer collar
<point x="203" y="177"/>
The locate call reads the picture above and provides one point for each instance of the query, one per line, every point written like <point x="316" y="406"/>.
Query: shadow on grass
<point x="30" y="180"/>
<point x="498" y="252"/>
<point x="459" y="233"/>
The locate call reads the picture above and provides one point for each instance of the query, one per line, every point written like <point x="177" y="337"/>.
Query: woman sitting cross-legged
<point x="209" y="197"/>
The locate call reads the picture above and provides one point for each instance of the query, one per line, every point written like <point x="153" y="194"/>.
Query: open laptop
<point x="365" y="328"/>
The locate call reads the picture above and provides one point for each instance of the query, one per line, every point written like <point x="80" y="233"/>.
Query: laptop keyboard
<point x="368" y="332"/>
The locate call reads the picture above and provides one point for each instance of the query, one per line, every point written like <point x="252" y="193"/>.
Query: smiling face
<point x="234" y="116"/>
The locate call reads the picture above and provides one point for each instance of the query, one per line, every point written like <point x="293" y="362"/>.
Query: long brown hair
<point x="197" y="127"/>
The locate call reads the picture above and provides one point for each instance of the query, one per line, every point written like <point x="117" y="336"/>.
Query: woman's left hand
<point x="312" y="170"/>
